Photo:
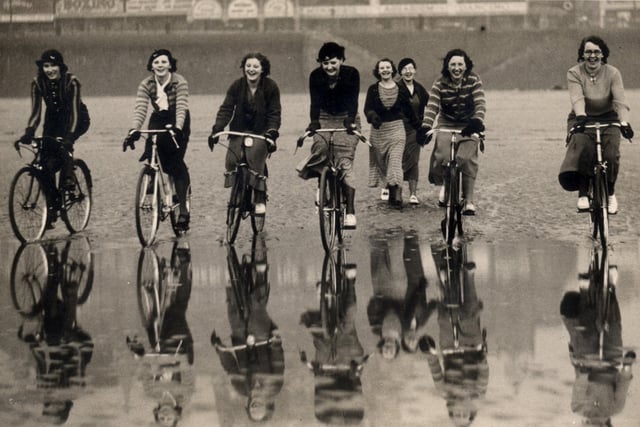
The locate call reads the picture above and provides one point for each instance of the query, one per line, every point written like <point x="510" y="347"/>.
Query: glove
<point x="213" y="140"/>
<point x="626" y="131"/>
<point x="67" y="145"/>
<point x="313" y="127"/>
<point x="581" y="121"/>
<point x="474" y="126"/>
<point x="273" y="135"/>
<point x="130" y="139"/>
<point x="375" y="121"/>
<point x="421" y="136"/>
<point x="350" y="125"/>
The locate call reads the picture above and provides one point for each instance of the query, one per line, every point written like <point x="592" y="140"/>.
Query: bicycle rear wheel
<point x="329" y="209"/>
<point x="76" y="203"/>
<point x="235" y="206"/>
<point x="147" y="206"/>
<point x="29" y="275"/>
<point x="148" y="284"/>
<point x="27" y="206"/>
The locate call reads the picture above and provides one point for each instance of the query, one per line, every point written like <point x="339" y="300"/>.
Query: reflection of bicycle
<point x="38" y="267"/>
<point x="598" y="190"/>
<point x="156" y="198"/>
<point x="454" y="201"/>
<point x="331" y="201"/>
<point x="32" y="205"/>
<point x="241" y="203"/>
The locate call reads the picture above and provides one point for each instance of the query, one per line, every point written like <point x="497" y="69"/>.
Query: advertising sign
<point x="206" y="9"/>
<point x="26" y="11"/>
<point x="279" y="9"/>
<point x="89" y="7"/>
<point x="242" y="9"/>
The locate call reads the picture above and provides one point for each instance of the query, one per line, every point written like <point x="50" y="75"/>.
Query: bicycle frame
<point x="165" y="184"/>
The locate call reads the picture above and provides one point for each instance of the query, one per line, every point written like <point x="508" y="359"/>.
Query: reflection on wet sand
<point x="602" y="366"/>
<point x="165" y="365"/>
<point x="254" y="361"/>
<point x="339" y="357"/>
<point x="48" y="282"/>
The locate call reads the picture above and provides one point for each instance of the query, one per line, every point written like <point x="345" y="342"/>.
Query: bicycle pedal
<point x="583" y="210"/>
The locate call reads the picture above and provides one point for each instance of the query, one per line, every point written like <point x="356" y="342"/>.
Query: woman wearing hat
<point x="334" y="89"/>
<point x="387" y="107"/>
<point x="418" y="99"/>
<point x="252" y="104"/>
<point x="65" y="118"/>
<point x="168" y="94"/>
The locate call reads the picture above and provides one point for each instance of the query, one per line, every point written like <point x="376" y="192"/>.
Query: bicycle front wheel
<point x="235" y="206"/>
<point x="29" y="275"/>
<point x="77" y="263"/>
<point x="328" y="209"/>
<point x="76" y="203"/>
<point x="599" y="213"/>
<point x="452" y="219"/>
<point x="147" y="206"/>
<point x="27" y="206"/>
<point x="329" y="307"/>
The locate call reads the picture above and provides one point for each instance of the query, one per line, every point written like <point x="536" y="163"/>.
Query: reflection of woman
<point x="597" y="94"/>
<point x="255" y="359"/>
<point x="600" y="389"/>
<point x="418" y="99"/>
<point x="252" y="104"/>
<point x="460" y="370"/>
<point x="170" y="379"/>
<point x="168" y="93"/>
<point x="457" y="100"/>
<point x="386" y="107"/>
<point x="339" y="356"/>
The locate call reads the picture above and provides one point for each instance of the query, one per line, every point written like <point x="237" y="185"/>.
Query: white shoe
<point x="260" y="209"/>
<point x="469" y="208"/>
<point x="441" y="201"/>
<point x="612" y="203"/>
<point x="414" y="200"/>
<point x="384" y="194"/>
<point x="583" y="203"/>
<point x="350" y="221"/>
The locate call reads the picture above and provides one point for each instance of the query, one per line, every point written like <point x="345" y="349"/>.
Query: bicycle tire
<point x="77" y="254"/>
<point x="28" y="206"/>
<point x="149" y="281"/>
<point x="174" y="218"/>
<point x="328" y="210"/>
<point x="147" y="207"/>
<point x="76" y="204"/>
<point x="599" y="213"/>
<point x="235" y="206"/>
<point x="453" y="207"/>
<point x="29" y="276"/>
<point x="257" y="221"/>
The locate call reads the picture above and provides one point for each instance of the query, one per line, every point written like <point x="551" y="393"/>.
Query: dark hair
<point x="456" y="52"/>
<point x="330" y="50"/>
<point x="54" y="57"/>
<point x="394" y="71"/>
<point x="159" y="52"/>
<point x="404" y="62"/>
<point x="597" y="41"/>
<point x="264" y="61"/>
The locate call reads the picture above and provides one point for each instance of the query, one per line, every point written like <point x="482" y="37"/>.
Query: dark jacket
<point x="422" y="94"/>
<point x="257" y="115"/>
<point x="400" y="110"/>
<point x="342" y="98"/>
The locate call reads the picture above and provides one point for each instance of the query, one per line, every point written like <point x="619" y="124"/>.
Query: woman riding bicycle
<point x="334" y="89"/>
<point x="66" y="119"/>
<point x="252" y="104"/>
<point x="457" y="100"/>
<point x="597" y="94"/>
<point x="168" y="93"/>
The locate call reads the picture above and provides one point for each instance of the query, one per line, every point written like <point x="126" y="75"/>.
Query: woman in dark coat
<point x="252" y="104"/>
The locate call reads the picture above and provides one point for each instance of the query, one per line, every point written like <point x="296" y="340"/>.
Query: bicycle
<point x="241" y="203"/>
<point x="33" y="206"/>
<point x="454" y="198"/>
<point x="332" y="206"/>
<point x="598" y="192"/>
<point x="156" y="198"/>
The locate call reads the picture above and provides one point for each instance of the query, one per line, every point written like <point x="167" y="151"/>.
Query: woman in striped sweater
<point x="457" y="101"/>
<point x="168" y="93"/>
<point x="386" y="107"/>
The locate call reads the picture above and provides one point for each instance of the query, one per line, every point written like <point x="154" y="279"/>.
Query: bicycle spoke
<point x="76" y="203"/>
<point x="147" y="208"/>
<point x="27" y="206"/>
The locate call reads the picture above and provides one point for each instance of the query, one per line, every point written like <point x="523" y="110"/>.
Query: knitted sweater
<point x="177" y="91"/>
<point x="455" y="105"/>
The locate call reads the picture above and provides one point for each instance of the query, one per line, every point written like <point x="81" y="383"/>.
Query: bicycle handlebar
<point x="244" y="134"/>
<point x="594" y="125"/>
<point x="308" y="133"/>
<point x="455" y="132"/>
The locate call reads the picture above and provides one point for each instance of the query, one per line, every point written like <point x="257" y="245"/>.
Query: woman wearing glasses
<point x="597" y="95"/>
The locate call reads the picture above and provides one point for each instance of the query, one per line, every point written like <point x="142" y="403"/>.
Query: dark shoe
<point x="183" y="223"/>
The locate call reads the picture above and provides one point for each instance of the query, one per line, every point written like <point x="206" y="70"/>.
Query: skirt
<point x="385" y="155"/>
